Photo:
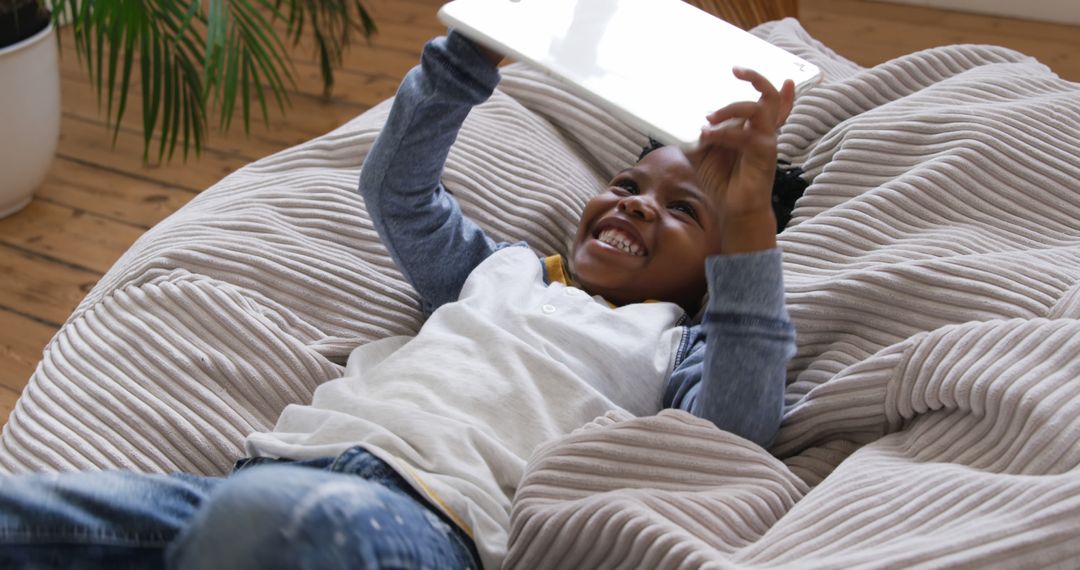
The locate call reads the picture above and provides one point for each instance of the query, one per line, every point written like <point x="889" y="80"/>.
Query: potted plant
<point x="29" y="101"/>
<point x="192" y="59"/>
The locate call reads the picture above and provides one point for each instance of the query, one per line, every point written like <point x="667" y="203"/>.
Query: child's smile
<point x="621" y="236"/>
<point x="646" y="237"/>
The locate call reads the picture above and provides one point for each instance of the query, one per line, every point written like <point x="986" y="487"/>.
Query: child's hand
<point x="493" y="56"/>
<point x="736" y="164"/>
<point x="489" y="54"/>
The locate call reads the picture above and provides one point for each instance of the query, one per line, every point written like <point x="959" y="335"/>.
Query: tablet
<point x="659" y="65"/>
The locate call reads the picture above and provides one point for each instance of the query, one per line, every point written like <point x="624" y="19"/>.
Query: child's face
<point x="646" y="237"/>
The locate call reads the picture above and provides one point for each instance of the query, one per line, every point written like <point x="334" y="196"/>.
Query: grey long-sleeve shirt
<point x="733" y="365"/>
<point x="511" y="356"/>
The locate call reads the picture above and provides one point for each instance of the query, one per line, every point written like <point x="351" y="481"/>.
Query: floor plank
<point x="136" y="200"/>
<point x="8" y="398"/>
<point x="73" y="236"/>
<point x="43" y="288"/>
<point x="869" y="33"/>
<point x="88" y="141"/>
<point x="21" y="340"/>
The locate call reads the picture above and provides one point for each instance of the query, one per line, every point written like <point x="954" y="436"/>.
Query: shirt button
<point x="548" y="309"/>
<point x="572" y="291"/>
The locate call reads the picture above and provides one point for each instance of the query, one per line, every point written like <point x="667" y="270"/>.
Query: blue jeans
<point x="352" y="511"/>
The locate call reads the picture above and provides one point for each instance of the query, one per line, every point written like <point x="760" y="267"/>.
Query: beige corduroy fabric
<point x="255" y="292"/>
<point x="931" y="272"/>
<point x="933" y="275"/>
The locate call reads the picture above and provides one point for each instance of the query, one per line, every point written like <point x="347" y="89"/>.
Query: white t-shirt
<point x="459" y="408"/>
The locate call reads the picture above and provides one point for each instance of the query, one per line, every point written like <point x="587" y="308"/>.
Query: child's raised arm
<point x="422" y="226"/>
<point x="735" y="371"/>
<point x="734" y="374"/>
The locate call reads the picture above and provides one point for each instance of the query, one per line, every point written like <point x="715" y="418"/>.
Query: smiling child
<point x="413" y="457"/>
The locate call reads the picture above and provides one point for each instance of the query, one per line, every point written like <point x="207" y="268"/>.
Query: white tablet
<point x="660" y="65"/>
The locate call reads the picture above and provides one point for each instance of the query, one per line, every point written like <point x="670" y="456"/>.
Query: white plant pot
<point x="29" y="117"/>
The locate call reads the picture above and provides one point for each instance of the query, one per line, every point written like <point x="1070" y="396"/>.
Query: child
<point x="412" y="458"/>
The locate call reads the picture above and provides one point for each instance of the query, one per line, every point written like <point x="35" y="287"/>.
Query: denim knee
<point x="282" y="516"/>
<point x="95" y="519"/>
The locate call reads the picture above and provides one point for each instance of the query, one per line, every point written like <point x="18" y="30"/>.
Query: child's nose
<point x="638" y="207"/>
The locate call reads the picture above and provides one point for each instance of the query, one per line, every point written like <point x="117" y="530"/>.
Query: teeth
<point x="617" y="238"/>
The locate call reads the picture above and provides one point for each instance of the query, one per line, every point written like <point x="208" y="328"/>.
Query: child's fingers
<point x="787" y="101"/>
<point x="768" y="112"/>
<point x="760" y="83"/>
<point x="769" y="96"/>
<point x="733" y="137"/>
<point x="740" y="110"/>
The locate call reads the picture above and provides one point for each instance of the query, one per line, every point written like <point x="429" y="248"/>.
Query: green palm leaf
<point x="200" y="56"/>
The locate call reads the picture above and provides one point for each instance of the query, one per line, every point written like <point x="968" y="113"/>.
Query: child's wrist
<point x="490" y="55"/>
<point x="748" y="232"/>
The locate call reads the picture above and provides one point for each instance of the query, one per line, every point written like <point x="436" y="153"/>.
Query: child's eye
<point x="627" y="186"/>
<point x="685" y="208"/>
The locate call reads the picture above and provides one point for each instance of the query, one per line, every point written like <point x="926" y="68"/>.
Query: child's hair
<point x="788" y="186"/>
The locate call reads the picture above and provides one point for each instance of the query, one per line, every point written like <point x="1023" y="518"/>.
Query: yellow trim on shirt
<point x="555" y="267"/>
<point x="439" y="500"/>
<point x="556" y="271"/>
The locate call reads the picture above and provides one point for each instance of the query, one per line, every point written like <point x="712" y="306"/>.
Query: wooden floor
<point x="97" y="200"/>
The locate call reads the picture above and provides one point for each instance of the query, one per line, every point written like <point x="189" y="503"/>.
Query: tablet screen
<point x="661" y="65"/>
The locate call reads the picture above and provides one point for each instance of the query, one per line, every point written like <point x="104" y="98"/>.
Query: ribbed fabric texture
<point x="933" y="275"/>
<point x="256" y="291"/>
<point x="932" y="272"/>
